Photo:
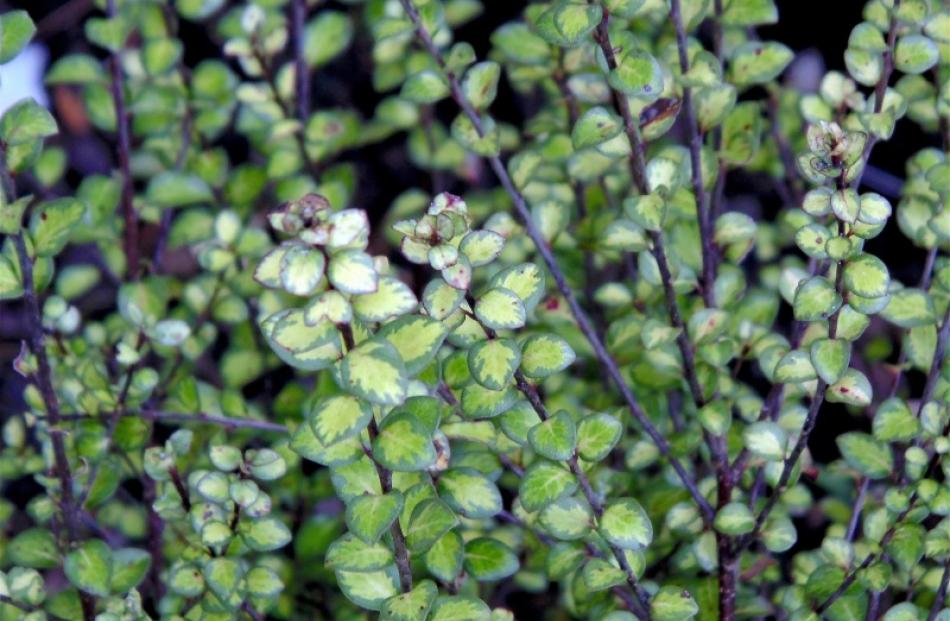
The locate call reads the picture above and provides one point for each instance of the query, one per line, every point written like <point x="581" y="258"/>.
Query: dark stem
<point x="631" y="125"/>
<point x="197" y="417"/>
<point x="399" y="539"/>
<point x="695" y="158"/>
<point x="44" y="382"/>
<point x="301" y="71"/>
<point x="584" y="323"/>
<point x="124" y="150"/>
<point x="941" y="593"/>
<point x="868" y="560"/>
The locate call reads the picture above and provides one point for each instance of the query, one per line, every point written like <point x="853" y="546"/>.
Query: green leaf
<point x="765" y="439"/>
<point x="75" y="69"/>
<point x="488" y="559"/>
<point x="391" y="299"/>
<point x="648" y="211"/>
<point x="742" y="133"/>
<point x="894" y="421"/>
<point x="544" y="355"/>
<point x="52" y="224"/>
<point x="425" y="87"/>
<point x="224" y="576"/>
<point x="486" y="143"/>
<point x="430" y="520"/>
<point x="915" y="53"/>
<point x="16" y="30"/>
<point x="129" y="568"/>
<point x="301" y="270"/>
<point x="108" y="33"/>
<point x="567" y="519"/>
<point x="846" y="205"/>
<point x="459" y="608"/>
<point x="339" y="417"/>
<point x="545" y="482"/>
<point x="444" y="558"/>
<point x="469" y="493"/>
<point x="326" y="36"/>
<point x="749" y="12"/>
<point x="24" y="122"/>
<point x="264" y="582"/>
<point x="34" y="547"/>
<point x="597" y="125"/>
<point x="353" y="271"/>
<point x="267" y="534"/>
<point x="637" y="74"/>
<point x="830" y="358"/>
<point x="416" y="338"/>
<point x="673" y="603"/>
<point x="815" y="298"/>
<point x="853" y="389"/>
<point x="779" y="534"/>
<point x="794" y="367"/>
<point x="600" y="575"/>
<point x="554" y="438"/>
<point x="403" y="444"/>
<point x="500" y="308"/>
<point x="626" y="524"/>
<point x="494" y="362"/>
<point x="572" y="22"/>
<point x="174" y="189"/>
<point x="369" y="589"/>
<point x="374" y="371"/>
<point x="758" y="62"/>
<point x="351" y="553"/>
<point x="89" y="567"/>
<point x="411" y="606"/>
<point x="441" y="299"/>
<point x="734" y="518"/>
<point x="866" y="276"/>
<point x="480" y="84"/>
<point x="481" y="247"/>
<point x="526" y="280"/>
<point x="306" y="347"/>
<point x="369" y="516"/>
<point x="865" y="454"/>
<point x="910" y="308"/>
<point x="597" y="435"/>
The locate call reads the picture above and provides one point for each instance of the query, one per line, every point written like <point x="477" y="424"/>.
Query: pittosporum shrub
<point x="574" y="376"/>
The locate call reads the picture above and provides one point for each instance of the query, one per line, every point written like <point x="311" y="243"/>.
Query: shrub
<point x="585" y="378"/>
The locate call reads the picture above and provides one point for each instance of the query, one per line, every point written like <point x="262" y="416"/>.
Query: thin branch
<point x="695" y="158"/>
<point x="580" y="196"/>
<point x="301" y="71"/>
<point x="124" y="150"/>
<point x="941" y="593"/>
<point x="584" y="323"/>
<point x="595" y="503"/>
<point x="857" y="508"/>
<point x="44" y="382"/>
<point x="399" y="538"/>
<point x="197" y="418"/>
<point x="868" y="560"/>
<point x="631" y="125"/>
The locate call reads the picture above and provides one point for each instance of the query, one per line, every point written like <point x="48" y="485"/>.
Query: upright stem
<point x="695" y="158"/>
<point x="124" y="149"/>
<point x="580" y="197"/>
<point x="399" y="539"/>
<point x="583" y="322"/>
<point x="301" y="71"/>
<point x="44" y="382"/>
<point x="631" y="124"/>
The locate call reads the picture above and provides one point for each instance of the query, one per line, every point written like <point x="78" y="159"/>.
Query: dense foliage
<point x="584" y="378"/>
